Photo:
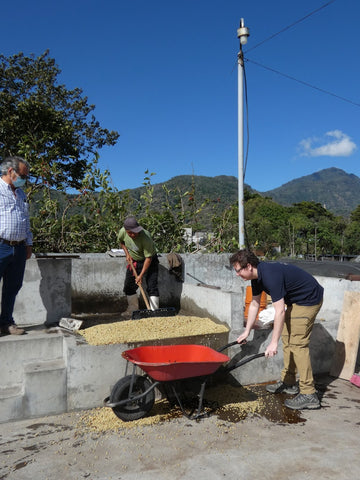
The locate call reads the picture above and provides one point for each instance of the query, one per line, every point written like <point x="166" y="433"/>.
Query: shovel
<point x="159" y="312"/>
<point x="203" y="284"/>
<point x="140" y="286"/>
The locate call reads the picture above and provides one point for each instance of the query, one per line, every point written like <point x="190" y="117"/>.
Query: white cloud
<point x="334" y="144"/>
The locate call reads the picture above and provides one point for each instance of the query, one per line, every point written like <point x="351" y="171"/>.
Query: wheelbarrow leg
<point x="198" y="413"/>
<point x="201" y="399"/>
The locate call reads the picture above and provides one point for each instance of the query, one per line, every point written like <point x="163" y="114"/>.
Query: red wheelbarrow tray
<point x="174" y="362"/>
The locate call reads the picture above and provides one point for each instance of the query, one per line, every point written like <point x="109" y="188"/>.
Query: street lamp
<point x="242" y="34"/>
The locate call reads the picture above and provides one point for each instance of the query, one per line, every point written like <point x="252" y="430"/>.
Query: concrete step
<point x="44" y="388"/>
<point x="15" y="350"/>
<point x="43" y="391"/>
<point x="11" y="398"/>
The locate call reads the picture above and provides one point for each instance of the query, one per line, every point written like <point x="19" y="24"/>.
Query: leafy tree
<point x="226" y="231"/>
<point x="52" y="127"/>
<point x="86" y="222"/>
<point x="266" y="223"/>
<point x="351" y="234"/>
<point x="298" y="225"/>
<point x="355" y="215"/>
<point x="167" y="222"/>
<point x="312" y="210"/>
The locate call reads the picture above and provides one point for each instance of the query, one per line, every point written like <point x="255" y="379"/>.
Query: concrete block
<point x="45" y="296"/>
<point x="11" y="400"/>
<point x="45" y="388"/>
<point x="207" y="302"/>
<point x="15" y="350"/>
<point x="91" y="371"/>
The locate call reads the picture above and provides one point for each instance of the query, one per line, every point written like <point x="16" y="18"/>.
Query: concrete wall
<point x="101" y="276"/>
<point x="55" y="288"/>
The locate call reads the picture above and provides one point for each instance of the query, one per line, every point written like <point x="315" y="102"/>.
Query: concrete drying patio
<point x="324" y="444"/>
<point x="48" y="371"/>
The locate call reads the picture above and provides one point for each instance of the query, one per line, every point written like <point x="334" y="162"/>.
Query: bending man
<point x="140" y="249"/>
<point x="297" y="298"/>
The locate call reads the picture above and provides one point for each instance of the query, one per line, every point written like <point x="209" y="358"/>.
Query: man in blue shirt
<point x="297" y="298"/>
<point x="15" y="238"/>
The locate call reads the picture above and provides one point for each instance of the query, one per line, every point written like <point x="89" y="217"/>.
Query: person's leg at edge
<point x="288" y="374"/>
<point x="12" y="268"/>
<point x="303" y="318"/>
<point x="130" y="289"/>
<point x="152" y="284"/>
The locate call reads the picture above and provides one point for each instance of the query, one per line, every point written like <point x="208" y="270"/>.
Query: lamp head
<point x="243" y="32"/>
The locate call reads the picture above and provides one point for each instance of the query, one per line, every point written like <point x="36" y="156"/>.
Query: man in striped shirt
<point x="15" y="237"/>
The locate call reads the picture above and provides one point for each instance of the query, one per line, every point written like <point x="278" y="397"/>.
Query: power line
<point x="291" y="25"/>
<point x="302" y="82"/>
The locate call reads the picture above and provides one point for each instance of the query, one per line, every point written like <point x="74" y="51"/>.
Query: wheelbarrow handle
<point x="245" y="360"/>
<point x="228" y="345"/>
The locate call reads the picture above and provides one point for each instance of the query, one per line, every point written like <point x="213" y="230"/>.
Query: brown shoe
<point x="15" y="330"/>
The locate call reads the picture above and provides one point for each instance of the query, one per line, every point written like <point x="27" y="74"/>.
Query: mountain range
<point x="336" y="190"/>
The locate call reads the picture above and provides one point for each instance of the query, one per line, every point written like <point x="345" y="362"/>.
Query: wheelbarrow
<point x="167" y="367"/>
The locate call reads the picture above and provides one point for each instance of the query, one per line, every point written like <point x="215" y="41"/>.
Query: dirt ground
<point x="270" y="443"/>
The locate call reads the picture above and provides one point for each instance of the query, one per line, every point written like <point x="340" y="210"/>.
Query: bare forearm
<point x="279" y="320"/>
<point x="278" y="326"/>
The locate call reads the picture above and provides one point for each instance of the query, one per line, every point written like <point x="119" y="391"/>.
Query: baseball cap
<point x="132" y="225"/>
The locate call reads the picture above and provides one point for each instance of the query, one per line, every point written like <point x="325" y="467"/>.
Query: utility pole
<point x="242" y="34"/>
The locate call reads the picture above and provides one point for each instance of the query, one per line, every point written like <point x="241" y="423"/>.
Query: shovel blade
<point x="159" y="312"/>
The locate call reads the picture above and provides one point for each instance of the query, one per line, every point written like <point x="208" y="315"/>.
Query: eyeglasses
<point x="238" y="270"/>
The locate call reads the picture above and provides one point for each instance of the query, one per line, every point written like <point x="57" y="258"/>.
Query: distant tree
<point x="52" y="127"/>
<point x="225" y="231"/>
<point x="266" y="223"/>
<point x="312" y="210"/>
<point x="355" y="215"/>
<point x="351" y="237"/>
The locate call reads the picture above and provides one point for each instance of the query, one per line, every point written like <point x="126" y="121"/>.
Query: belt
<point x="12" y="243"/>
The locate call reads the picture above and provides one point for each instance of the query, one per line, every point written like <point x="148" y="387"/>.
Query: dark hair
<point x="243" y="258"/>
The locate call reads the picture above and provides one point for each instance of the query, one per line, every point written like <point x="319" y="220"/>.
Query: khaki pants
<point x="299" y="322"/>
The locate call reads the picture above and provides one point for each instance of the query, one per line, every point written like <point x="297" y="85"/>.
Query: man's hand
<point x="28" y="251"/>
<point x="242" y="338"/>
<point x="271" y="350"/>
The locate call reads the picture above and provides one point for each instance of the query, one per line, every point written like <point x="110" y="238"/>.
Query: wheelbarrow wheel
<point x="132" y="410"/>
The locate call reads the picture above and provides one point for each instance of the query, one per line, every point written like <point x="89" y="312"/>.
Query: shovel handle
<point x="140" y="286"/>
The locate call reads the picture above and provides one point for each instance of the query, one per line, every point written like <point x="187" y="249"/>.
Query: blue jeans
<point x="12" y="268"/>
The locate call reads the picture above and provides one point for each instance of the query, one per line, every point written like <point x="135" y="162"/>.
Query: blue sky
<point x="164" y="75"/>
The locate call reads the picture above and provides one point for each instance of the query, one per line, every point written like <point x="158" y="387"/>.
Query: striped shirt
<point x="14" y="215"/>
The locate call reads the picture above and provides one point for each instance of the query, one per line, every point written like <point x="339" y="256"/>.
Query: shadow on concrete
<point x="170" y="286"/>
<point x="338" y="359"/>
<point x="100" y="309"/>
<point x="250" y="348"/>
<point x="322" y="349"/>
<point x="55" y="288"/>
